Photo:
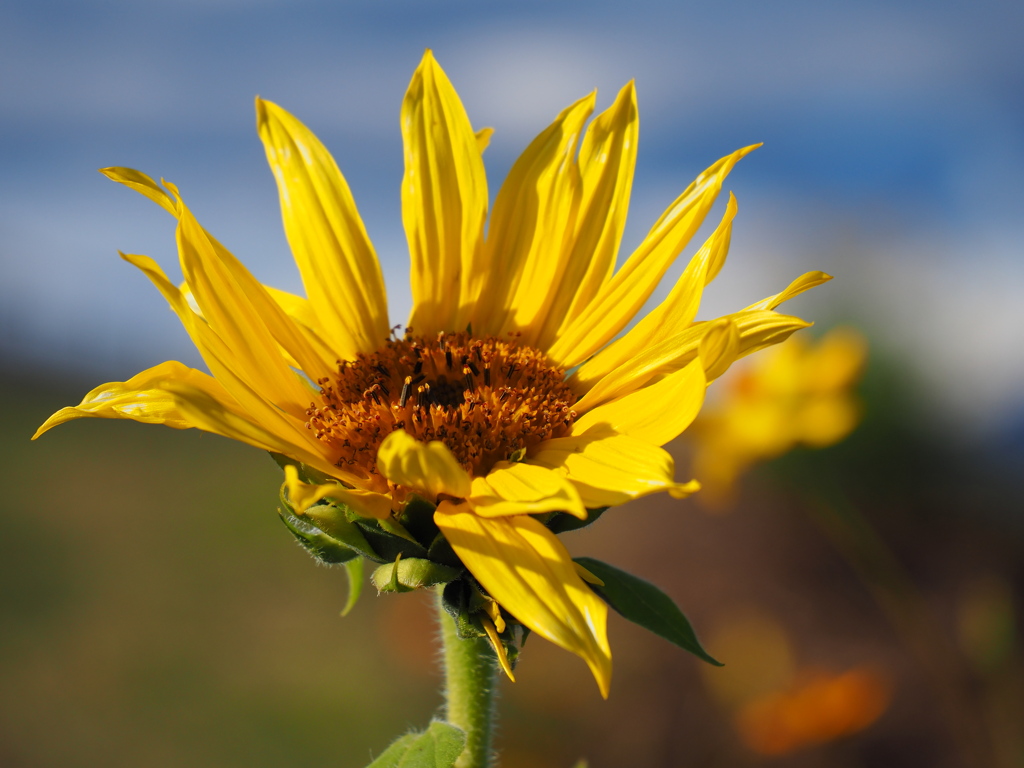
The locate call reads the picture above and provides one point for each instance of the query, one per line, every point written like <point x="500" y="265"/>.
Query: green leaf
<point x="324" y="548"/>
<point x="562" y="522"/>
<point x="437" y="747"/>
<point x="643" y="603"/>
<point x="354" y="569"/>
<point x="411" y="573"/>
<point x="396" y="751"/>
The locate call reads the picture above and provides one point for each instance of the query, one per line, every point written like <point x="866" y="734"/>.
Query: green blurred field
<point x="154" y="612"/>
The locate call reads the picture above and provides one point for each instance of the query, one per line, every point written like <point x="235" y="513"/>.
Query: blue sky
<point x="893" y="157"/>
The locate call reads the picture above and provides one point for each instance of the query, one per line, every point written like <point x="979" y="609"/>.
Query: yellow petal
<point x="337" y="262"/>
<point x="301" y="312"/>
<point x="207" y="413"/>
<point x="606" y="162"/>
<point x="530" y="232"/>
<point x="587" y="576"/>
<point x="296" y="348"/>
<point x="657" y="413"/>
<point x="444" y="199"/>
<point x="483" y="138"/>
<point x="803" y="283"/>
<point x="499" y="649"/>
<point x="304" y="495"/>
<point x="223" y="361"/>
<point x="427" y="467"/>
<point x="243" y="325"/>
<point x="142" y="184"/>
<point x="142" y="398"/>
<point x="633" y="284"/>
<point x="756" y="330"/>
<point x="720" y="347"/>
<point x="524" y="489"/>
<point x="528" y="571"/>
<point x="678" y="309"/>
<point x="609" y="469"/>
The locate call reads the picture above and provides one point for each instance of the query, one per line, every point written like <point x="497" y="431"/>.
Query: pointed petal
<point x="428" y="467"/>
<point x="499" y="649"/>
<point x="142" y="184"/>
<point x="304" y="495"/>
<point x="756" y="330"/>
<point x="528" y="571"/>
<point x="142" y="398"/>
<point x="444" y="199"/>
<point x="678" y="309"/>
<point x="524" y="489"/>
<point x="606" y="162"/>
<point x="633" y="284"/>
<point x="803" y="283"/>
<point x="223" y="361"/>
<point x="301" y="312"/>
<point x="298" y="349"/>
<point x="483" y="138"/>
<point x="531" y="227"/>
<point x="337" y="262"/>
<point x="229" y="309"/>
<point x="609" y="469"/>
<point x="211" y="415"/>
<point x="657" y="413"/>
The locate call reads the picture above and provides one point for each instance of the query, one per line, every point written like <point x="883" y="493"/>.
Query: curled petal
<point x="428" y="467"/>
<point x="524" y="489"/>
<point x="609" y="469"/>
<point x="143" y="397"/>
<point x="304" y="495"/>
<point x="657" y="413"/>
<point x="528" y="571"/>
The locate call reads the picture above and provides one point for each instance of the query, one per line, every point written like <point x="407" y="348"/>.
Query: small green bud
<point x="409" y="573"/>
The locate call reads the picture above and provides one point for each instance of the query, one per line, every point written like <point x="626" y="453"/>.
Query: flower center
<point x="486" y="399"/>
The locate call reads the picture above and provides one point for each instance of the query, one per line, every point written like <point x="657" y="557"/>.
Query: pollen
<point x="487" y="399"/>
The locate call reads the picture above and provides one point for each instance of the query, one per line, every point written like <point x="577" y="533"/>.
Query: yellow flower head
<point x="799" y="393"/>
<point x="472" y="408"/>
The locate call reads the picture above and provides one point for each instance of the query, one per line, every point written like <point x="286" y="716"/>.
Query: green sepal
<point x="417" y="516"/>
<point x="306" y="474"/>
<point x="326" y="549"/>
<point x="463" y="602"/>
<point x="409" y="573"/>
<point x="356" y="573"/>
<point x="437" y="747"/>
<point x="441" y="551"/>
<point x="387" y="546"/>
<point x="335" y="520"/>
<point x="563" y="522"/>
<point x="643" y="603"/>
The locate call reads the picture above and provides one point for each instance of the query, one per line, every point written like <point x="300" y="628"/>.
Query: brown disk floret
<point x="486" y="399"/>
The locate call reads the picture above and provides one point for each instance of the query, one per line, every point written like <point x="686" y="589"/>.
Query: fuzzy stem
<point x="470" y="675"/>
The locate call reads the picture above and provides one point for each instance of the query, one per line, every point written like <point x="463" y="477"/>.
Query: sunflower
<point x="512" y="397"/>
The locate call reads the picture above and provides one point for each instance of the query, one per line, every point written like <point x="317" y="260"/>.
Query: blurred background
<point x="153" y="611"/>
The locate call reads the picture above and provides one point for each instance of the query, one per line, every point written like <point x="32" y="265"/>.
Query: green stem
<point x="470" y="675"/>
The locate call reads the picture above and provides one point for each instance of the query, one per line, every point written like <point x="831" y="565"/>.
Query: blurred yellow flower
<point x="800" y="393"/>
<point x="470" y="407"/>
